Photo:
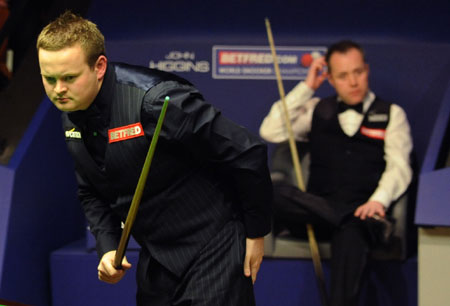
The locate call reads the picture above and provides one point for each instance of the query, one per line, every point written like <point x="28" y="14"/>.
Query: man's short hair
<point x="343" y="46"/>
<point x="70" y="29"/>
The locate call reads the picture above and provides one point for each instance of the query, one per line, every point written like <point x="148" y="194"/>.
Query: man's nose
<point x="60" y="87"/>
<point x="352" y="80"/>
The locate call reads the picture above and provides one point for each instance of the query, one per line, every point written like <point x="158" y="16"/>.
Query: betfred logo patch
<point x="373" y="133"/>
<point x="125" y="132"/>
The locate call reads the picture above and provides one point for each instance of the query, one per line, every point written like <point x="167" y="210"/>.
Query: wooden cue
<point x="139" y="190"/>
<point x="295" y="159"/>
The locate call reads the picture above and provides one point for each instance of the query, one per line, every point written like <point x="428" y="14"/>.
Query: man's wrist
<point x="381" y="197"/>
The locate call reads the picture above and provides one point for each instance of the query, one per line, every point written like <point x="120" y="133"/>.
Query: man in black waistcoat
<point x="206" y="203"/>
<point x="360" y="147"/>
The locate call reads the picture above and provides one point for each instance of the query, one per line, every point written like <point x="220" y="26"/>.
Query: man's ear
<point x="100" y="66"/>
<point x="331" y="80"/>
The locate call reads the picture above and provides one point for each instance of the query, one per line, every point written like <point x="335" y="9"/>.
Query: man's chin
<point x="354" y="100"/>
<point x="65" y="107"/>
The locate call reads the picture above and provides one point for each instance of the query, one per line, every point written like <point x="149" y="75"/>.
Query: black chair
<point x="284" y="245"/>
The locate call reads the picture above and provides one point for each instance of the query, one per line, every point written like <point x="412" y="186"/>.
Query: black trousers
<point x="216" y="277"/>
<point x="351" y="238"/>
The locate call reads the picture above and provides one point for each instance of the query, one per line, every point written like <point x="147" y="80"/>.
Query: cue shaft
<point x="287" y="121"/>
<point x="296" y="161"/>
<point x="139" y="190"/>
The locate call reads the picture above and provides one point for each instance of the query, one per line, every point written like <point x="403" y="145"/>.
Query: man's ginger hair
<point x="70" y="29"/>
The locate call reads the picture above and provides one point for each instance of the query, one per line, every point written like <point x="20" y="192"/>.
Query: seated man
<point x="360" y="150"/>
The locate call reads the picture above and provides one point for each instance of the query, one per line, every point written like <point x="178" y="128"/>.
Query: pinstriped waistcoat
<point x="183" y="204"/>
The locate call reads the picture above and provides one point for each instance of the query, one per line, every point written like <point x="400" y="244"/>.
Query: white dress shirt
<point x="397" y="143"/>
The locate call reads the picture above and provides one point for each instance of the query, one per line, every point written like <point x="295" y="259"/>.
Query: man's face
<point x="349" y="76"/>
<point x="68" y="80"/>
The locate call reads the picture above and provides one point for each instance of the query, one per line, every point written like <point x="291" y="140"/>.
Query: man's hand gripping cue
<point x="106" y="271"/>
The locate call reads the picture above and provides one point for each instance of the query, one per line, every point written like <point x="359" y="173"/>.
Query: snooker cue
<point x="295" y="159"/>
<point x="139" y="190"/>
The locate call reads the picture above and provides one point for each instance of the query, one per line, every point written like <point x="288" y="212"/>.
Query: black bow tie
<point x="342" y="107"/>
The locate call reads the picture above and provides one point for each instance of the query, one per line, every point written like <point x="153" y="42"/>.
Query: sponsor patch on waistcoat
<point x="125" y="132"/>
<point x="73" y="134"/>
<point x="377" y="117"/>
<point x="373" y="133"/>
